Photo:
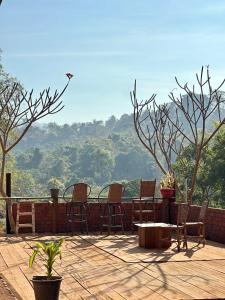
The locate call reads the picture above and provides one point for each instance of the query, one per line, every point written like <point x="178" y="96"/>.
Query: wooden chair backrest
<point x="80" y="192"/>
<point x="203" y="211"/>
<point x="147" y="188"/>
<point x="182" y="213"/>
<point x="115" y="193"/>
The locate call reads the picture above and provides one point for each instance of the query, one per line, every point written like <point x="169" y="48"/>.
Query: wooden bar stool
<point x="77" y="209"/>
<point x="21" y="213"/>
<point x="143" y="208"/>
<point x="111" y="212"/>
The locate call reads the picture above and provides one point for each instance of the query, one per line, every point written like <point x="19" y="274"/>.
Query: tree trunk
<point x="3" y="194"/>
<point x="10" y="215"/>
<point x="194" y="176"/>
<point x="2" y="173"/>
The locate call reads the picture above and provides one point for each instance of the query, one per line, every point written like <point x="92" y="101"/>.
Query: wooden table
<point x="154" y="235"/>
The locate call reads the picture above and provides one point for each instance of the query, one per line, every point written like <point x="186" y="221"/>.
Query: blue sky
<point x="106" y="44"/>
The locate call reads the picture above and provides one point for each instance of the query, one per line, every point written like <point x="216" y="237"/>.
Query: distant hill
<point x="96" y="152"/>
<point x="51" y="134"/>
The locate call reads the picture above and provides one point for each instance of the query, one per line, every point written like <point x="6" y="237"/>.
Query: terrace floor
<point x="114" y="267"/>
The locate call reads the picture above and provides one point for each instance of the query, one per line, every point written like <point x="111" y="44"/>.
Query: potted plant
<point x="167" y="186"/>
<point x="54" y="184"/>
<point x="47" y="287"/>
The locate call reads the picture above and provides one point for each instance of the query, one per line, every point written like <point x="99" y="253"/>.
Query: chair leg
<point x="203" y="234"/>
<point x="86" y="217"/>
<point x="132" y="219"/>
<point x="86" y="223"/>
<point x="199" y="233"/>
<point x="121" y="219"/>
<point x="101" y="225"/>
<point x="185" y="238"/>
<point x="67" y="226"/>
<point x="109" y="220"/>
<point x="81" y="216"/>
<point x="101" y="218"/>
<point x="178" y="240"/>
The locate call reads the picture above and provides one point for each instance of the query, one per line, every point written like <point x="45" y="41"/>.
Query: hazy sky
<point x="106" y="44"/>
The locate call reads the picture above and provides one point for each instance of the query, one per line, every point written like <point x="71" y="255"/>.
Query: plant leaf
<point x="32" y="257"/>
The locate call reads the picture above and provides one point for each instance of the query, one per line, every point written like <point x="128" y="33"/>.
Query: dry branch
<point x="19" y="109"/>
<point x="166" y="129"/>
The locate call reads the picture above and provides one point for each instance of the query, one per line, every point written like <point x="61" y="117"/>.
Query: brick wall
<point x="44" y="217"/>
<point x="165" y="211"/>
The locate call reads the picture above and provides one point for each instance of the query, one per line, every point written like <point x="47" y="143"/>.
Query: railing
<point x="60" y="198"/>
<point x="16" y="199"/>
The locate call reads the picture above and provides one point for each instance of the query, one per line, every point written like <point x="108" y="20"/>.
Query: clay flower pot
<point x="167" y="192"/>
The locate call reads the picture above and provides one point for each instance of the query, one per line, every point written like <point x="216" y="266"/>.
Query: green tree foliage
<point x="132" y="188"/>
<point x="136" y="162"/>
<point x="96" y="163"/>
<point x="211" y="175"/>
<point x="96" y="160"/>
<point x="23" y="181"/>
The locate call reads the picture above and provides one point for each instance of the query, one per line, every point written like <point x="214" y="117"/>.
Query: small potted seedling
<point x="167" y="186"/>
<point x="47" y="287"/>
<point x="54" y="184"/>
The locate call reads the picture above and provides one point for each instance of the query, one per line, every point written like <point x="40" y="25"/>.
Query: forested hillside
<point x="52" y="134"/>
<point x="95" y="152"/>
<point x="100" y="152"/>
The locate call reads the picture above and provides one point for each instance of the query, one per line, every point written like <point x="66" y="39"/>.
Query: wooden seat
<point x="21" y="213"/>
<point x="143" y="208"/>
<point x="77" y="209"/>
<point x="199" y="225"/>
<point x="178" y="230"/>
<point x="180" y="234"/>
<point x="111" y="212"/>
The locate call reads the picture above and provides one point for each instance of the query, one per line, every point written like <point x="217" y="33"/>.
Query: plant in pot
<point x="55" y="184"/>
<point x="167" y="186"/>
<point x="47" y="287"/>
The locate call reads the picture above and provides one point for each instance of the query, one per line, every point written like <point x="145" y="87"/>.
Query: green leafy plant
<point x="55" y="183"/>
<point x="51" y="250"/>
<point x="168" y="181"/>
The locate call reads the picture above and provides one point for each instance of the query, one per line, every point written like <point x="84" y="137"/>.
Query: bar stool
<point x="143" y="208"/>
<point x="112" y="212"/>
<point x="77" y="209"/>
<point x="30" y="212"/>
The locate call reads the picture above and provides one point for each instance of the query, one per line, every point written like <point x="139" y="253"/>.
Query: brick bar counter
<point x="51" y="218"/>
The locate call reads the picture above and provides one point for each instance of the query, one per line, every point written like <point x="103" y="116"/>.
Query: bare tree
<point x="166" y="129"/>
<point x="19" y="109"/>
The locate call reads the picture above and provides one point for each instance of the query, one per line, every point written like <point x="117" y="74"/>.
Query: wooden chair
<point x="77" y="209"/>
<point x="200" y="224"/>
<point x="179" y="230"/>
<point x="111" y="212"/>
<point x="143" y="208"/>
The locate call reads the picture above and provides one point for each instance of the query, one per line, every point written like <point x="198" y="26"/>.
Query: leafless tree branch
<point x="163" y="129"/>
